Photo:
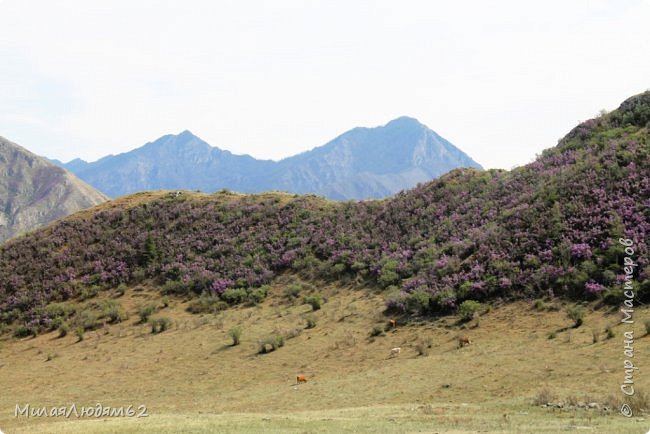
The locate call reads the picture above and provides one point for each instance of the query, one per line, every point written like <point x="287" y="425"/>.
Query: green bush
<point x="79" y="331"/>
<point x="145" y="311"/>
<point x="388" y="273"/>
<point x="60" y="310"/>
<point x="234" y="295"/>
<point x="442" y="300"/>
<point x="207" y="304"/>
<point x="270" y="343"/>
<point x="292" y="291"/>
<point x="89" y="292"/>
<point x="63" y="329"/>
<point x="311" y="322"/>
<point x="314" y="301"/>
<point x="469" y="308"/>
<point x="576" y="314"/>
<point x="539" y="305"/>
<point x="159" y="325"/>
<point x="176" y="287"/>
<point x="610" y="332"/>
<point x="114" y="311"/>
<point x="235" y="334"/>
<point x="22" y="331"/>
<point x="377" y="331"/>
<point x="613" y="296"/>
<point x="86" y="319"/>
<point x="257" y="295"/>
<point x="418" y="302"/>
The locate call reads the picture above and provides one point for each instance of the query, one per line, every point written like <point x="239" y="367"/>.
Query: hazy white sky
<point x="502" y="80"/>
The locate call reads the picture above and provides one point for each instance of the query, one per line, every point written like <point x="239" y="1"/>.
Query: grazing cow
<point x="462" y="341"/>
<point x="392" y="323"/>
<point x="395" y="352"/>
<point x="301" y="378"/>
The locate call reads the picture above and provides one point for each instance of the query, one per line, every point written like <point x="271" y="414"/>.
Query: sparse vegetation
<point x="576" y="314"/>
<point x="207" y="304"/>
<point x="292" y="291"/>
<point x="114" y="311"/>
<point x="311" y="322"/>
<point x="235" y="335"/>
<point x="63" y="329"/>
<point x="270" y="344"/>
<point x="159" y="325"/>
<point x="314" y="301"/>
<point x="544" y="396"/>
<point x="80" y="331"/>
<point x="377" y="331"/>
<point x="539" y="305"/>
<point x="23" y="331"/>
<point x="145" y="311"/>
<point x="610" y="332"/>
<point x="423" y="346"/>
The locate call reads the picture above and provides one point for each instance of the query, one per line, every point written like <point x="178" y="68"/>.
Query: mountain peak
<point x="405" y="121"/>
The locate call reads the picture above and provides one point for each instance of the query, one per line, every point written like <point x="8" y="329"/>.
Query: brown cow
<point x="301" y="378"/>
<point x="465" y="340"/>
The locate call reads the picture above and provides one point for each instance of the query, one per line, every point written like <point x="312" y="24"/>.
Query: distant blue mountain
<point x="362" y="163"/>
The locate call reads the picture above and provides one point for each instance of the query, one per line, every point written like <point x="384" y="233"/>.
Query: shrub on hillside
<point x="469" y="308"/>
<point x="207" y="303"/>
<point x="235" y="335"/>
<point x="293" y="291"/>
<point x="23" y="331"/>
<point x="257" y="295"/>
<point x="234" y="296"/>
<point x="314" y="301"/>
<point x="311" y="322"/>
<point x="114" y="311"/>
<point x="576" y="314"/>
<point x="270" y="343"/>
<point x="63" y="329"/>
<point x="159" y="325"/>
<point x="145" y="311"/>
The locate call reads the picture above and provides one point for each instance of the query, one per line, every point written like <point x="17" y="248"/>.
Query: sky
<point x="502" y="80"/>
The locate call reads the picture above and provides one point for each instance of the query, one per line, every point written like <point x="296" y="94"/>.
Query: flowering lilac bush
<point x="550" y="227"/>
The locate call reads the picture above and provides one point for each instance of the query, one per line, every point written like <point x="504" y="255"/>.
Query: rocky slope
<point x="34" y="192"/>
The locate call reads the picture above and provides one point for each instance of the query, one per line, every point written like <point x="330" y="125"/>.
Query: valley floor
<point x="192" y="380"/>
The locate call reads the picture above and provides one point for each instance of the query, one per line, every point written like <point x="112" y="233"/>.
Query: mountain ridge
<point x="358" y="164"/>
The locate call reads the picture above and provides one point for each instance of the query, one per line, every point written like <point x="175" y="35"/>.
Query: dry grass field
<point x="192" y="379"/>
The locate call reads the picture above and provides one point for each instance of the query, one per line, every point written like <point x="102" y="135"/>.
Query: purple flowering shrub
<point x="551" y="226"/>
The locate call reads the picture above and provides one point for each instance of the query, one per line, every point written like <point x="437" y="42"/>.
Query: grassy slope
<point x="190" y="377"/>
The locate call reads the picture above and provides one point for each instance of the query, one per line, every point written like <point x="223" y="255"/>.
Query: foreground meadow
<point x="191" y="378"/>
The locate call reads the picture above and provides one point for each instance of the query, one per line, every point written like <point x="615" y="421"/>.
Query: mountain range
<point x="359" y="164"/>
<point x="34" y="191"/>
